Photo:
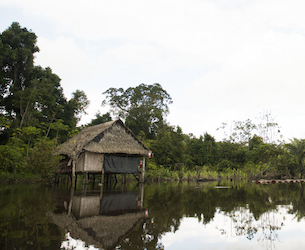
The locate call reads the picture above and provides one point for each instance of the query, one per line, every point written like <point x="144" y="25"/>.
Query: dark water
<point x="226" y="215"/>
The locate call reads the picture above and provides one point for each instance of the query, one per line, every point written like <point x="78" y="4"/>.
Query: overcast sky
<point x="220" y="60"/>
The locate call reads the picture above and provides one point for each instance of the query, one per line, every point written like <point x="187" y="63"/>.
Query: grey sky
<point x="219" y="60"/>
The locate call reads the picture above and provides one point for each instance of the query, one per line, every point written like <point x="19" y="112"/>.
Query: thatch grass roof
<point x="109" y="138"/>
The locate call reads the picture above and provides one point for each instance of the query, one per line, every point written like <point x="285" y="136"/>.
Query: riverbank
<point x="162" y="175"/>
<point x="10" y="178"/>
<point x="208" y="174"/>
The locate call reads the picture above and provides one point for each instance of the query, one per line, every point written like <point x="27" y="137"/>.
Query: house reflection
<point x="113" y="203"/>
<point x="101" y="218"/>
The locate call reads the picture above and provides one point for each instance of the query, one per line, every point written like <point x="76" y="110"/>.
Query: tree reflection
<point x="250" y="210"/>
<point x="246" y="209"/>
<point x="243" y="223"/>
<point x="23" y="220"/>
<point x="298" y="204"/>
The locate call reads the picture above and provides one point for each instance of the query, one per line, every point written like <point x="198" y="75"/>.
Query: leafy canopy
<point x="297" y="149"/>
<point x="143" y="107"/>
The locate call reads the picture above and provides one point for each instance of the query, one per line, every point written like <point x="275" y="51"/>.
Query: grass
<point x="154" y="173"/>
<point x="209" y="173"/>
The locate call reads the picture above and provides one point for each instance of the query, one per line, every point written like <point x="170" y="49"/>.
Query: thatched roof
<point x="110" y="138"/>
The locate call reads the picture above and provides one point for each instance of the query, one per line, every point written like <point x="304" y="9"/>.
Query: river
<point x="205" y="215"/>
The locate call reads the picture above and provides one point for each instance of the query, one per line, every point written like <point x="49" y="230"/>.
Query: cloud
<point x="219" y="60"/>
<point x="66" y="59"/>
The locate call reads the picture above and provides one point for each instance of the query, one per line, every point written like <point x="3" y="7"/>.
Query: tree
<point x="242" y="131"/>
<point x="297" y="149"/>
<point x="100" y="118"/>
<point x="31" y="96"/>
<point x="232" y="153"/>
<point x="42" y="160"/>
<point x="17" y="55"/>
<point x="74" y="109"/>
<point x="267" y="128"/>
<point x="32" y="103"/>
<point x="169" y="147"/>
<point x="210" y="150"/>
<point x="49" y="98"/>
<point x="143" y="107"/>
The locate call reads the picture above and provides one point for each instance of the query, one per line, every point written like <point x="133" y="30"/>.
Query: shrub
<point x="42" y="160"/>
<point x="12" y="156"/>
<point x="224" y="164"/>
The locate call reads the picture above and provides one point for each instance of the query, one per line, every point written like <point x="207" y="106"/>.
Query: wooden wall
<point x="90" y="162"/>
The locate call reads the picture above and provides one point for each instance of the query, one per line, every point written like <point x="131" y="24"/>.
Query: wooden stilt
<point x="102" y="176"/>
<point x="73" y="168"/>
<point x="141" y="187"/>
<point x="142" y="174"/>
<point x="101" y="192"/>
<point x="71" y="201"/>
<point x="85" y="178"/>
<point x="124" y="179"/>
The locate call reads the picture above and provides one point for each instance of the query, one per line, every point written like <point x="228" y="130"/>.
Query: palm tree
<point x="297" y="149"/>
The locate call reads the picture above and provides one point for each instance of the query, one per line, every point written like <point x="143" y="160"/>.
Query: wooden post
<point x="124" y="179"/>
<point x="102" y="183"/>
<point x="103" y="176"/>
<point x="71" y="202"/>
<point x="73" y="174"/>
<point x="142" y="176"/>
<point x="73" y="169"/>
<point x="141" y="187"/>
<point x="101" y="191"/>
<point x="85" y="178"/>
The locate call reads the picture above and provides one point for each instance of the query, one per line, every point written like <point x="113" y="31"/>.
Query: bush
<point x="224" y="164"/>
<point x="12" y="156"/>
<point x="42" y="160"/>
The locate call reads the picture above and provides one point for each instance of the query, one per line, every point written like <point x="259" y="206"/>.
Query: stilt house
<point x="108" y="147"/>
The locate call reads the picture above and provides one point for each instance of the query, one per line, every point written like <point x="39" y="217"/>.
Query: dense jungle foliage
<point x="35" y="117"/>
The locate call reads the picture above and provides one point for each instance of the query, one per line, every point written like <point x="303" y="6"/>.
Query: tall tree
<point x="17" y="55"/>
<point x="297" y="149"/>
<point x="144" y="107"/>
<point x="45" y="98"/>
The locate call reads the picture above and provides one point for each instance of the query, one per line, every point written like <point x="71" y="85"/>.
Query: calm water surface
<point x="213" y="215"/>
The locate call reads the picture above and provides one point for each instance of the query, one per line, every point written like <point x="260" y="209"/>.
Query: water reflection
<point x="99" y="218"/>
<point x="24" y="223"/>
<point x="249" y="215"/>
<point x="226" y="215"/>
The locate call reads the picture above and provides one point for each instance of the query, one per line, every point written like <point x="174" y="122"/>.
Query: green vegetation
<point x="203" y="157"/>
<point x="143" y="107"/>
<point x="35" y="117"/>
